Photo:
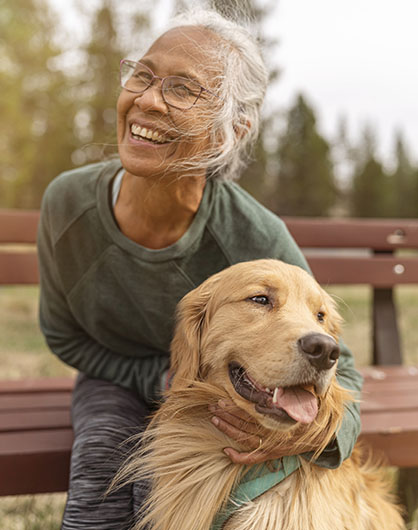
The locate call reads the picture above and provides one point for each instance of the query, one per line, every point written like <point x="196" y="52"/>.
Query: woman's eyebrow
<point x="187" y="75"/>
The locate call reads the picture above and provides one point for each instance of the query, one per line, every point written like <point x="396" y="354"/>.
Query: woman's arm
<point x="69" y="341"/>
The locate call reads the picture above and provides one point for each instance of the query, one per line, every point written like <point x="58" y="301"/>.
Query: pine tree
<point x="306" y="184"/>
<point x="36" y="111"/>
<point x="403" y="183"/>
<point x="116" y="29"/>
<point x="370" y="193"/>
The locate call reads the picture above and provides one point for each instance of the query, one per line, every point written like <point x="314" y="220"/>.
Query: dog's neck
<point x="183" y="455"/>
<point x="192" y="476"/>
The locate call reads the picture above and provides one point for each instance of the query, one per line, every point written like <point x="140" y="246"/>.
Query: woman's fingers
<point x="239" y="423"/>
<point x="226" y="406"/>
<point x="250" y="440"/>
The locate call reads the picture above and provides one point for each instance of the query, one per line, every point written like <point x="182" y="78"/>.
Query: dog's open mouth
<point x="291" y="404"/>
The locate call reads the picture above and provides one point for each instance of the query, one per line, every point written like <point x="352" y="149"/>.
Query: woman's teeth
<point x="147" y="134"/>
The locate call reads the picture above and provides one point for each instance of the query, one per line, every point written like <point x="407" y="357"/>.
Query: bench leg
<point x="408" y="492"/>
<point x="386" y="340"/>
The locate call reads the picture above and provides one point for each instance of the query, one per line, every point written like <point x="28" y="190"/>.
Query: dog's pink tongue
<point x="300" y="404"/>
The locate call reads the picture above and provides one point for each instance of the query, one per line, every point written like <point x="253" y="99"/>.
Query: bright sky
<point x="352" y="58"/>
<point x="356" y="58"/>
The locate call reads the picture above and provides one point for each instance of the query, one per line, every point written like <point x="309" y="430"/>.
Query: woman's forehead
<point x="185" y="50"/>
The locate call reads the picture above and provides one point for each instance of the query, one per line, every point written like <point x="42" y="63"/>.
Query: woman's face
<point x="182" y="134"/>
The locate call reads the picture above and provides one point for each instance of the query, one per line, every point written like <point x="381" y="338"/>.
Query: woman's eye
<point x="320" y="316"/>
<point x="260" y="299"/>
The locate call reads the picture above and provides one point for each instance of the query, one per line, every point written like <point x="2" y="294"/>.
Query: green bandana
<point x="254" y="484"/>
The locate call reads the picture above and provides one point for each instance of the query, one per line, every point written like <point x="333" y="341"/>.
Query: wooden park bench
<point x="35" y="428"/>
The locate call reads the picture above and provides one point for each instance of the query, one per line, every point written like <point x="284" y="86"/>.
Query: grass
<point x="23" y="353"/>
<point x="32" y="512"/>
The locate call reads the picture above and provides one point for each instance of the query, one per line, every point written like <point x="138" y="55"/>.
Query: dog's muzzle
<point x="285" y="404"/>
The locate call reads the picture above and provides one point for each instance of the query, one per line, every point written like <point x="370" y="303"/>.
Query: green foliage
<point x="306" y="183"/>
<point x="371" y="191"/>
<point x="35" y="108"/>
<point x="404" y="183"/>
<point x="51" y="117"/>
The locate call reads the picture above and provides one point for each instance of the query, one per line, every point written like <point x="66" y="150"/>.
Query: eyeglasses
<point x="178" y="92"/>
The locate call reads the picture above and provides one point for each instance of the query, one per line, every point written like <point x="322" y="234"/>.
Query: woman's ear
<point x="191" y="320"/>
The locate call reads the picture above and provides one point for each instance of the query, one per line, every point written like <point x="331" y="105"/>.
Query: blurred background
<point x="339" y="136"/>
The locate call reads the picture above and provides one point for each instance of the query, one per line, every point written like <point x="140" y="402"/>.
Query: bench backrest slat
<point x="378" y="271"/>
<point x="377" y="234"/>
<point x="18" y="226"/>
<point x="18" y="268"/>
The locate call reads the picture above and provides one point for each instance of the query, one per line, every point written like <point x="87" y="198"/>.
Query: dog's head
<point x="266" y="334"/>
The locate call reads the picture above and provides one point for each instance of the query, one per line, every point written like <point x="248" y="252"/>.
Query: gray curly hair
<point x="242" y="87"/>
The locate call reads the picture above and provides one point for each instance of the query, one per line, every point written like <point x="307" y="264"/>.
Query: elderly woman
<point x="122" y="241"/>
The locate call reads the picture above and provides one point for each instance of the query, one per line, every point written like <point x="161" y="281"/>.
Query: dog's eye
<point x="320" y="316"/>
<point x="261" y="299"/>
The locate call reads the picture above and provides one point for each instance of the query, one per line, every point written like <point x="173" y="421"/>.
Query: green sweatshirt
<point x="107" y="304"/>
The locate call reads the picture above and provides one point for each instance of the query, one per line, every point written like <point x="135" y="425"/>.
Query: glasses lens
<point x="135" y="76"/>
<point x="181" y="92"/>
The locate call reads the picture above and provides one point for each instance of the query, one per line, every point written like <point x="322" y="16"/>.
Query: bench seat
<point x="36" y="434"/>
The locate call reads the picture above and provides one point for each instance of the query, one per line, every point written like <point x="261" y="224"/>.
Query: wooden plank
<point x="389" y="402"/>
<point x="378" y="271"/>
<point x="389" y="388"/>
<point x="36" y="462"/>
<point x="399" y="449"/>
<point x="18" y="226"/>
<point x="18" y="268"/>
<point x="50" y="384"/>
<point x="379" y="234"/>
<point x="37" y="401"/>
<point x="36" y="442"/>
<point x="394" y="373"/>
<point x="401" y="386"/>
<point x="35" y="420"/>
<point x="386" y="422"/>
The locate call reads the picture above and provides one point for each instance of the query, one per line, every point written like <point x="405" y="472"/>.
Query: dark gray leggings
<point x="104" y="416"/>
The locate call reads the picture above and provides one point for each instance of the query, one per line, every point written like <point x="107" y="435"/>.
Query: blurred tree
<point x="53" y="117"/>
<point x="403" y="183"/>
<point x="95" y="120"/>
<point x="305" y="179"/>
<point x="35" y="108"/>
<point x="370" y="193"/>
<point x="116" y="28"/>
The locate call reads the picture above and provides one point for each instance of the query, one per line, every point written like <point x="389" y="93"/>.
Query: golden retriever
<point x="262" y="334"/>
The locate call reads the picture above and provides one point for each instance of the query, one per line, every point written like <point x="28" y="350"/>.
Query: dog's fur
<point x="221" y="322"/>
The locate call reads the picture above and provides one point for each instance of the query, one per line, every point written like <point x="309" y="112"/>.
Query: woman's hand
<point x="241" y="427"/>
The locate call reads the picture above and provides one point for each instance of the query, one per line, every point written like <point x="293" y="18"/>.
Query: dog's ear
<point x="191" y="318"/>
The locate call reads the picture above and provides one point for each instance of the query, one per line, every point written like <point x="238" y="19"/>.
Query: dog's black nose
<point x="321" y="350"/>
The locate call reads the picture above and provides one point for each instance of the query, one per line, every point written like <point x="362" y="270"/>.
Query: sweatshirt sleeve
<point x="347" y="376"/>
<point x="341" y="448"/>
<point x="70" y="342"/>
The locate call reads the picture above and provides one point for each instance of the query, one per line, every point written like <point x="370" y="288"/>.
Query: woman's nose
<point x="152" y="99"/>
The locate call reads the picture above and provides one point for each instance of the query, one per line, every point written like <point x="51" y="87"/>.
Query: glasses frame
<point x="162" y="79"/>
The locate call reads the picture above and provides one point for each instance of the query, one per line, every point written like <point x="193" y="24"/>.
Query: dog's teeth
<point x="267" y="390"/>
<point x="275" y="394"/>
